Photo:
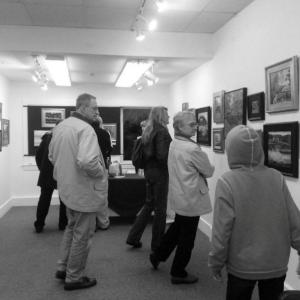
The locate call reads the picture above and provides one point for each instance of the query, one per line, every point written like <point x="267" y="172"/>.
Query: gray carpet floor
<point x="28" y="262"/>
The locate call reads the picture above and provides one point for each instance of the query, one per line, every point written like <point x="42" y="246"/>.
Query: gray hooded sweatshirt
<point x="256" y="221"/>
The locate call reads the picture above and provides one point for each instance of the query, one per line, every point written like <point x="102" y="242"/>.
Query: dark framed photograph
<point x="112" y="129"/>
<point x="218" y="107"/>
<point x="256" y="106"/>
<point x="5" y="132"/>
<point x="234" y="109"/>
<point x="184" y="106"/>
<point x="218" y="140"/>
<point x="203" y="118"/>
<point x="281" y="144"/>
<point x="282" y="90"/>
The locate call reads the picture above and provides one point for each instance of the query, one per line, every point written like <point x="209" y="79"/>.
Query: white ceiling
<point x="96" y="36"/>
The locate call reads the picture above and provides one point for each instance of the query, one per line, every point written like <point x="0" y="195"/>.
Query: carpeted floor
<point x="28" y="261"/>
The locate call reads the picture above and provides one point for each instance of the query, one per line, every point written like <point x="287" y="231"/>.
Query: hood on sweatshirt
<point x="243" y="148"/>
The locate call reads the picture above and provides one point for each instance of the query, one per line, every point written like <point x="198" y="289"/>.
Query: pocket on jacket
<point x="203" y="188"/>
<point x="101" y="186"/>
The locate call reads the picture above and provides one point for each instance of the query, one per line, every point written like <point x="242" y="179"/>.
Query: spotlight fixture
<point x="132" y="72"/>
<point x="161" y="5"/>
<point x="40" y="74"/>
<point x="140" y="36"/>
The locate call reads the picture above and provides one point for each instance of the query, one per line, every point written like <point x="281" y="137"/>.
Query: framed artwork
<point x="234" y="109"/>
<point x="112" y="129"/>
<point x="5" y="132"/>
<point x="50" y="116"/>
<point x="218" y="107"/>
<point x="37" y="137"/>
<point x="0" y="111"/>
<point x="256" y="106"/>
<point x="185" y="106"/>
<point x="282" y="92"/>
<point x="281" y="144"/>
<point x="218" y="140"/>
<point x="203" y="118"/>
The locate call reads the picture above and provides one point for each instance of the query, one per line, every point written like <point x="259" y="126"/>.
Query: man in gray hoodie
<point x="256" y="221"/>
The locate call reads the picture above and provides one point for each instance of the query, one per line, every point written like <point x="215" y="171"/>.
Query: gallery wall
<point x="266" y="32"/>
<point x="4" y="155"/>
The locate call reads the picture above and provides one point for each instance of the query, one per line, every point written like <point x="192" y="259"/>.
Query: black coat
<point x="44" y="164"/>
<point x="104" y="142"/>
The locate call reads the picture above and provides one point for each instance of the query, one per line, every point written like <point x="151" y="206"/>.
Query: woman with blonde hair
<point x="156" y="141"/>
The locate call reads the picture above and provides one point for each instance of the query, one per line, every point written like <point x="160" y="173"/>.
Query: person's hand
<point x="218" y="276"/>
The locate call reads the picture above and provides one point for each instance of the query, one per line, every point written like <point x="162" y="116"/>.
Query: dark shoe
<point x="60" y="275"/>
<point x="184" y="280"/>
<point x="135" y="245"/>
<point x="83" y="283"/>
<point x="38" y="229"/>
<point x="154" y="261"/>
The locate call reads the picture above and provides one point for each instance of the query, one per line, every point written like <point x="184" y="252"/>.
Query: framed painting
<point x="281" y="144"/>
<point x="218" y="140"/>
<point x="234" y="109"/>
<point x="218" y="107"/>
<point x="50" y="116"/>
<point x="256" y="106"/>
<point x="282" y="86"/>
<point x="0" y="111"/>
<point x="112" y="129"/>
<point x="203" y="118"/>
<point x="5" y="132"/>
<point x="184" y="106"/>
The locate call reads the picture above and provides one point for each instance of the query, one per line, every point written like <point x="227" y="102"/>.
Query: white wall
<point x="24" y="174"/>
<point x="266" y="32"/>
<point x="4" y="155"/>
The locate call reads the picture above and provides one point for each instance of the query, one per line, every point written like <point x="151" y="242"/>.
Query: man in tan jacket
<point x="82" y="185"/>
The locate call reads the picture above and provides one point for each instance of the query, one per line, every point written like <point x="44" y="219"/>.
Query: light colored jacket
<point x="78" y="165"/>
<point x="255" y="218"/>
<point x="188" y="167"/>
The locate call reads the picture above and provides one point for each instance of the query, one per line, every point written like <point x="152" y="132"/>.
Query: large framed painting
<point x="218" y="107"/>
<point x="282" y="86"/>
<point x="281" y="144"/>
<point x="218" y="140"/>
<point x="50" y="116"/>
<point x="256" y="106"/>
<point x="203" y="118"/>
<point x="5" y="132"/>
<point x="234" y="109"/>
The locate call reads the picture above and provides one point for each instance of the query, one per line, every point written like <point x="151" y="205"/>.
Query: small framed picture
<point x="256" y="106"/>
<point x="50" y="116"/>
<point x="203" y="118"/>
<point x="185" y="106"/>
<point x="218" y="140"/>
<point x="234" y="109"/>
<point x="282" y="90"/>
<point x="5" y="132"/>
<point x="281" y="147"/>
<point x="218" y="107"/>
<point x="112" y="129"/>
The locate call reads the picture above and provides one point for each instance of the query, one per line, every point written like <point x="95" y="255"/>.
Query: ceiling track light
<point x="161" y="5"/>
<point x="40" y="74"/>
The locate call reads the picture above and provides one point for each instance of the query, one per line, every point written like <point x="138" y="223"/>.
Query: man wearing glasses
<point x="188" y="196"/>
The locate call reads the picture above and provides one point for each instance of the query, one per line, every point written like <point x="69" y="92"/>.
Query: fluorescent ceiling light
<point x="58" y="69"/>
<point x="132" y="72"/>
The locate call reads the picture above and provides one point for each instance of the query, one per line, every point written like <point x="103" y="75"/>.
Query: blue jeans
<point x="241" y="289"/>
<point x="156" y="200"/>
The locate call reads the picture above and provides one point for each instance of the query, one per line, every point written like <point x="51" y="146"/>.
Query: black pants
<point x="181" y="233"/>
<point x="156" y="200"/>
<point x="241" y="289"/>
<point x="43" y="208"/>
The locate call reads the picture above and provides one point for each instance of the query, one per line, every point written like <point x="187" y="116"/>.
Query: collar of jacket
<point x="184" y="138"/>
<point x="81" y="117"/>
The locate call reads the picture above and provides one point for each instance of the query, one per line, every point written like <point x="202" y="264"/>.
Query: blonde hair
<point x="179" y="118"/>
<point x="156" y="118"/>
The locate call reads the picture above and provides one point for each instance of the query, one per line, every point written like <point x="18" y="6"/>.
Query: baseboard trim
<point x="5" y="207"/>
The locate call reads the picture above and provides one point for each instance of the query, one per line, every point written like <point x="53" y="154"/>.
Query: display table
<point x="126" y="194"/>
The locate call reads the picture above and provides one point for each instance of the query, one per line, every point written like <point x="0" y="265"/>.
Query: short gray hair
<point x="178" y="119"/>
<point x="84" y="100"/>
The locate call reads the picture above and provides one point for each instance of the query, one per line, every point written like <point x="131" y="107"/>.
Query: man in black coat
<point x="104" y="140"/>
<point x="48" y="185"/>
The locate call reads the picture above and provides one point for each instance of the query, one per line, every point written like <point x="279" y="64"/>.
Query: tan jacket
<point x="188" y="167"/>
<point x="78" y="165"/>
